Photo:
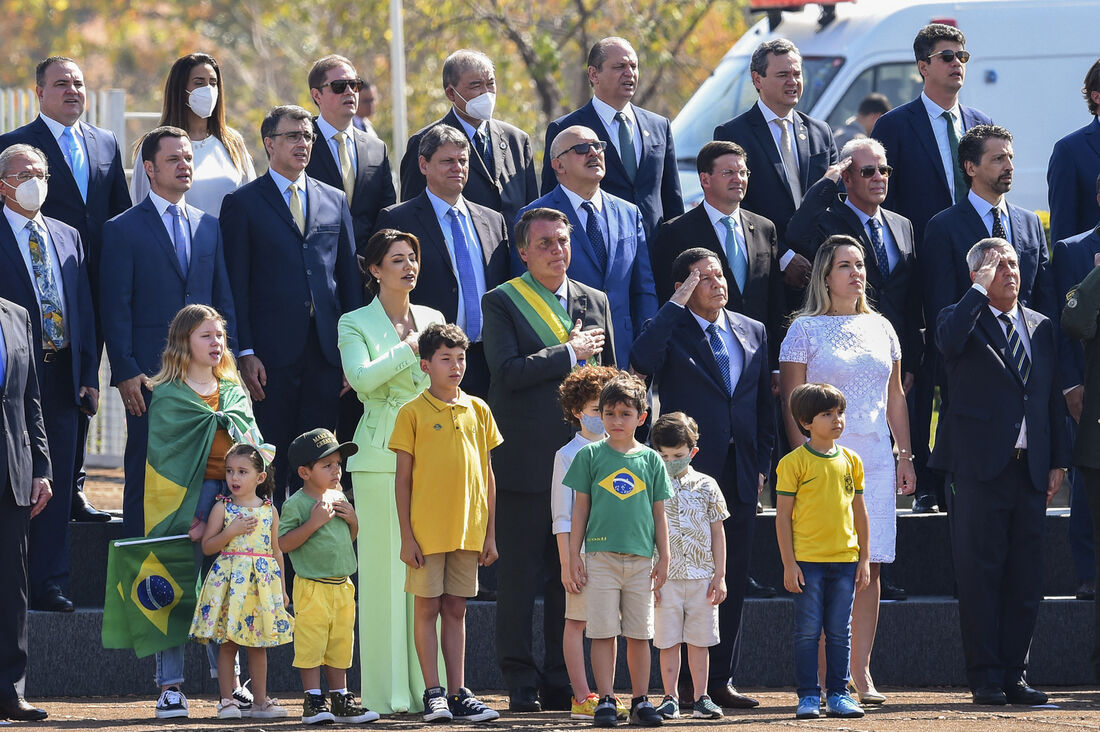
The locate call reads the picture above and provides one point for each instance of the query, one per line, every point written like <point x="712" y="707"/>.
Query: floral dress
<point x="242" y="598"/>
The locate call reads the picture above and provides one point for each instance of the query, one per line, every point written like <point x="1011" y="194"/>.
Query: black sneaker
<point x="606" y="713"/>
<point x="172" y="704"/>
<point x="348" y="710"/>
<point x="436" y="708"/>
<point x="315" y="710"/>
<point x="642" y="713"/>
<point x="466" y="706"/>
<point x="243" y="697"/>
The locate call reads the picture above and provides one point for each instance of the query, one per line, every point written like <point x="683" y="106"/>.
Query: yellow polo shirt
<point x="450" y="445"/>
<point x="823" y="487"/>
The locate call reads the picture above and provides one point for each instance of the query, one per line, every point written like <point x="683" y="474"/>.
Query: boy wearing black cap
<point x="324" y="560"/>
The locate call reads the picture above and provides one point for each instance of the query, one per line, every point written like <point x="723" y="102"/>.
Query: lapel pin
<point x="801" y="136"/>
<point x="503" y="145"/>
<point x="645" y="133"/>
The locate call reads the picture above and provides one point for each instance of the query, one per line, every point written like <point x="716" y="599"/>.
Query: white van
<point x="1029" y="60"/>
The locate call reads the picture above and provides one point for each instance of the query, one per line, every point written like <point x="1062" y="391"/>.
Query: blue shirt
<point x="473" y="244"/>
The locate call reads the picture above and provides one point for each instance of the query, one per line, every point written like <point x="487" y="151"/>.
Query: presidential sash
<point x="540" y="308"/>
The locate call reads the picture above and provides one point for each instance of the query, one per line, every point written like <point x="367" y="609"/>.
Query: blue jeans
<point x="824" y="604"/>
<point x="170" y="664"/>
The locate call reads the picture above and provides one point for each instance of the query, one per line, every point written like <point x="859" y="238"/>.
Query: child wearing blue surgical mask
<point x="579" y="395"/>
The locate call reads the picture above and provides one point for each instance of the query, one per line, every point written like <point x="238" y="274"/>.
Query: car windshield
<point x="729" y="91"/>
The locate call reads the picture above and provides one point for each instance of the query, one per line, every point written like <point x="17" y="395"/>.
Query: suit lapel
<point x="766" y="142"/>
<point x="274" y="198"/>
<point x="484" y="233"/>
<point x="324" y="157"/>
<point x="922" y="130"/>
<point x="859" y="231"/>
<point x="590" y="119"/>
<point x="93" y="145"/>
<point x="612" y="210"/>
<point x="1016" y="216"/>
<point x="13" y="258"/>
<point x="1092" y="137"/>
<point x="997" y="339"/>
<point x="737" y="328"/>
<point x="701" y="345"/>
<point x="60" y="174"/>
<point x="580" y="244"/>
<point x="426" y="214"/>
<point x="802" y="143"/>
<point x="160" y="235"/>
<point x="7" y="326"/>
<point x="647" y="130"/>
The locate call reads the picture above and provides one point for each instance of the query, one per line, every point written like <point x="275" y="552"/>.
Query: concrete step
<point x="918" y="645"/>
<point x="923" y="565"/>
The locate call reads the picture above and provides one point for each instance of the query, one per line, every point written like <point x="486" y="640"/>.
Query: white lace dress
<point x="855" y="353"/>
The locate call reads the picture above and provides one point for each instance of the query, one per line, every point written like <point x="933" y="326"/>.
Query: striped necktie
<point x="1016" y="349"/>
<point x="721" y="355"/>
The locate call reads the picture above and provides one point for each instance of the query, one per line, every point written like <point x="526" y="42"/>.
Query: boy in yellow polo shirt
<point x="821" y="526"/>
<point x="446" y="497"/>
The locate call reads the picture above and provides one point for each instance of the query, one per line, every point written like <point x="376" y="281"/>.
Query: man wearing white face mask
<point x="502" y="167"/>
<point x="44" y="270"/>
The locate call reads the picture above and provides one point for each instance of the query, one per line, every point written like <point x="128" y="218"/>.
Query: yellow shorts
<point x="446" y="573"/>
<point x="324" y="623"/>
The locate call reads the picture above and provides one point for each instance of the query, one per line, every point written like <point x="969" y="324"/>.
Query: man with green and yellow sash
<point x="538" y="328"/>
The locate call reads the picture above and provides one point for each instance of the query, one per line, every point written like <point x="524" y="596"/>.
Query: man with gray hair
<point x="502" y="166"/>
<point x="791" y="150"/>
<point x="463" y="245"/>
<point x="641" y="158"/>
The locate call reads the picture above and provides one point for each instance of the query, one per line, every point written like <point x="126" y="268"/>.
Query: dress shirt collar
<point x="1013" y="314"/>
<point x="864" y="218"/>
<point x="18" y="222"/>
<point x="562" y="292"/>
<point x="576" y="201"/>
<point x="282" y="182"/>
<point x="934" y="110"/>
<point x="721" y="321"/>
<point x="716" y="216"/>
<point x="468" y="128"/>
<point x="982" y="206"/>
<point x="328" y="131"/>
<point x="770" y="116"/>
<point x="57" y="129"/>
<point x="607" y="113"/>
<point x="441" y="207"/>
<point x="162" y="204"/>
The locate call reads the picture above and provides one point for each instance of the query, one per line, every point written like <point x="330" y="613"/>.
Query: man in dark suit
<point x="89" y="187"/>
<point x="757" y="291"/>
<point x="712" y="364"/>
<point x="502" y="166"/>
<point x="25" y="493"/>
<point x="790" y="150"/>
<point x="463" y="245"/>
<point x="343" y="156"/>
<point x="290" y="252"/>
<point x="368" y="100"/>
<point x="607" y="239"/>
<point x="1002" y="438"/>
<point x="1073" y="168"/>
<point x="154" y="263"/>
<point x="44" y="271"/>
<point x="526" y="370"/>
<point x="641" y="157"/>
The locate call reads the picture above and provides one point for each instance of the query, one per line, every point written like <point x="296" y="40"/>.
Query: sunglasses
<point x="868" y="171"/>
<point x="295" y="136"/>
<point x="949" y="56"/>
<point x="338" y="86"/>
<point x="582" y="148"/>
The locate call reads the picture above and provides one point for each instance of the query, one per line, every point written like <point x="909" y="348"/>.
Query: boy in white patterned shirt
<point x="687" y="606"/>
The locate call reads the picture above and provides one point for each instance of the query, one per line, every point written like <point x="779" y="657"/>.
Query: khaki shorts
<point x="324" y="623"/>
<point x="684" y="615"/>
<point x="575" y="606"/>
<point x="446" y="573"/>
<point x="619" y="595"/>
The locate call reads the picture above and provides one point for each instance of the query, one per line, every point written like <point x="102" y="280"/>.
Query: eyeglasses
<point x="295" y="136"/>
<point x="25" y="176"/>
<point x="868" y="171"/>
<point x="949" y="56"/>
<point x="338" y="86"/>
<point x="582" y="148"/>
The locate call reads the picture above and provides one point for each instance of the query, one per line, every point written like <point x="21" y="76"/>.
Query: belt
<point x="1019" y="453"/>
<point x="51" y="356"/>
<point x="328" y="580"/>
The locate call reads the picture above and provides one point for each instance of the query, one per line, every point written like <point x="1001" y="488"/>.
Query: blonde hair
<point x="817" y="300"/>
<point x="176" y="358"/>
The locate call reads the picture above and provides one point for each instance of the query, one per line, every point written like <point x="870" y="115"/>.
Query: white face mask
<point x="202" y="100"/>
<point x="480" y="107"/>
<point x="31" y="194"/>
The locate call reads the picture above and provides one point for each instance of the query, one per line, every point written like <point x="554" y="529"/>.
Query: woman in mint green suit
<point x="381" y="362"/>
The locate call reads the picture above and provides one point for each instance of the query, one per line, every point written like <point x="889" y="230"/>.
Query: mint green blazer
<point x="385" y="374"/>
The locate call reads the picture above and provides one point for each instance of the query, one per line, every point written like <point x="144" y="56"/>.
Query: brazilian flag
<point x="151" y="591"/>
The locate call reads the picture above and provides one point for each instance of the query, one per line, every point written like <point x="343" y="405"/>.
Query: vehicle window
<point x="729" y="91"/>
<point x="900" y="82"/>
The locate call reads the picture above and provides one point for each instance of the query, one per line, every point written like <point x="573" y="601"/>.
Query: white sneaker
<point x="270" y="710"/>
<point x="229" y="709"/>
<point x="172" y="704"/>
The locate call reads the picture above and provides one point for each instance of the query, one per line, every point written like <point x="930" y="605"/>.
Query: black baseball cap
<point x="316" y="444"/>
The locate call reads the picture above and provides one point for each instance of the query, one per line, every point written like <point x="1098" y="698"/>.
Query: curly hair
<point x="581" y="387"/>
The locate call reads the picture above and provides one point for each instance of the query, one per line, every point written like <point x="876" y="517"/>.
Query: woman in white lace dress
<point x="836" y="338"/>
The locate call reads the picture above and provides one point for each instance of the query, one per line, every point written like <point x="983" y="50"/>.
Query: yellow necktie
<point x="346" y="171"/>
<point x="789" y="164"/>
<point x="296" y="209"/>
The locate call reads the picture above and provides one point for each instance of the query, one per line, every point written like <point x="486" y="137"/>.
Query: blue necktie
<point x="594" y="230"/>
<point x="74" y="156"/>
<point x="878" y="246"/>
<point x="721" y="355"/>
<point x="179" y="236"/>
<point x="466" y="280"/>
<point x="735" y="253"/>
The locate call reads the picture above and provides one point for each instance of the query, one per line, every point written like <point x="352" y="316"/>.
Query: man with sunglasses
<point x="502" y="165"/>
<point x="345" y="156"/>
<point x="921" y="139"/>
<point x="609" y="241"/>
<point x="290" y="252"/>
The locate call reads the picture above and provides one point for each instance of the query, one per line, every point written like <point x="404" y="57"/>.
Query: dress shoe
<point x="1086" y="590"/>
<point x="728" y="697"/>
<point x="19" y="710"/>
<point x="525" y="699"/>
<point x="52" y="601"/>
<point x="1022" y="694"/>
<point x="757" y="590"/>
<point x="989" y="696"/>
<point x="85" y="512"/>
<point x="890" y="591"/>
<point x="486" y="595"/>
<point x="556" y="699"/>
<point x="924" y="504"/>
